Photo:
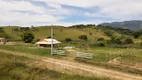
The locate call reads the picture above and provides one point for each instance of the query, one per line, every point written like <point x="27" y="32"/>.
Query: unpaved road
<point x="78" y="68"/>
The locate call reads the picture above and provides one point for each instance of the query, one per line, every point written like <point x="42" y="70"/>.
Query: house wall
<point x="3" y="41"/>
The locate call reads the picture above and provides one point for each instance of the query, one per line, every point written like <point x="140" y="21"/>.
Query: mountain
<point x="133" y="25"/>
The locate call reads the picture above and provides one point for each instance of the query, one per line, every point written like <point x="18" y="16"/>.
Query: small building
<point x="47" y="42"/>
<point x="3" y="41"/>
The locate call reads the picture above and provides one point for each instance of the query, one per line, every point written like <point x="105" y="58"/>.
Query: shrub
<point x="116" y="41"/>
<point x="141" y="43"/>
<point x="49" y="37"/>
<point x="101" y="39"/>
<point x="83" y="37"/>
<point x="108" y="33"/>
<point x="128" y="41"/>
<point x="22" y="29"/>
<point x="1" y="29"/>
<point x="90" y="33"/>
<point x="137" y="34"/>
<point x="68" y="40"/>
<point x="102" y="44"/>
<point x="27" y="37"/>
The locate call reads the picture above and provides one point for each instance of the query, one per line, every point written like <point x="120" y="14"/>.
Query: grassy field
<point x="60" y="33"/>
<point x="122" y="59"/>
<point x="17" y="68"/>
<point x="126" y="60"/>
<point x="32" y="49"/>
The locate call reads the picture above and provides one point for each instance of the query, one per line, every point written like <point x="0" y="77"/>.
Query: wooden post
<point x="51" y="40"/>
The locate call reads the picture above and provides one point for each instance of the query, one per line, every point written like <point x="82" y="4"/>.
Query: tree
<point x="109" y="33"/>
<point x="101" y="39"/>
<point x="83" y="37"/>
<point x="116" y="40"/>
<point x="27" y="36"/>
<point x="68" y="40"/>
<point x="137" y="34"/>
<point x="128" y="41"/>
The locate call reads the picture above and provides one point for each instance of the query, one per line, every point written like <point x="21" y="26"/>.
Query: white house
<point x="47" y="42"/>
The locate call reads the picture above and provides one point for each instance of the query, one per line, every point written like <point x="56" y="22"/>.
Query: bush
<point x="49" y="37"/>
<point x="116" y="41"/>
<point x="83" y="37"/>
<point x="1" y="29"/>
<point x="141" y="43"/>
<point x="102" y="44"/>
<point x="128" y="41"/>
<point x="101" y="39"/>
<point x="109" y="33"/>
<point x="27" y="37"/>
<point x="137" y="34"/>
<point x="68" y="40"/>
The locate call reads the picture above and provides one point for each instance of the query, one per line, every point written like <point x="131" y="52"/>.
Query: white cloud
<point x="54" y="12"/>
<point x="18" y="13"/>
<point x="120" y="9"/>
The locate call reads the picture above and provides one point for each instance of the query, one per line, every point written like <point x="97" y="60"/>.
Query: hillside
<point x="60" y="33"/>
<point x="93" y="33"/>
<point x="133" y="25"/>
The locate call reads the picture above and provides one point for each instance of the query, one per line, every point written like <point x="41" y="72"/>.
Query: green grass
<point x="60" y="33"/>
<point x="27" y="49"/>
<point x="16" y="68"/>
<point x="13" y="35"/>
<point x="101" y="56"/>
<point x="125" y="57"/>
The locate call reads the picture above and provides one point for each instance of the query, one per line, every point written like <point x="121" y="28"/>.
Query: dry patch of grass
<point x="16" y="68"/>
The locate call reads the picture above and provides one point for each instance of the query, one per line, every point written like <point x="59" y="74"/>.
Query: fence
<point x="60" y="52"/>
<point x="84" y="55"/>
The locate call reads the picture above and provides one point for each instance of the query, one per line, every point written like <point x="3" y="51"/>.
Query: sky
<point x="67" y="12"/>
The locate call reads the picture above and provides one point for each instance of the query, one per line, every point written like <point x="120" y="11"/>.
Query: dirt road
<point x="77" y="68"/>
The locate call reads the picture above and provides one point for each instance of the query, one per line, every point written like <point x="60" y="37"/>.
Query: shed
<point x="3" y="41"/>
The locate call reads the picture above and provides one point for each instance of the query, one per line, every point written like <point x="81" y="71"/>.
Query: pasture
<point x="11" y="69"/>
<point x="126" y="60"/>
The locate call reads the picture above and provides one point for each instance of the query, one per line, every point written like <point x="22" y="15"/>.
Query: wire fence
<point x="84" y="55"/>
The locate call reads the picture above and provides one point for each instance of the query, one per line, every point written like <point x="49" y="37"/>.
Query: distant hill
<point x="61" y="33"/>
<point x="133" y="25"/>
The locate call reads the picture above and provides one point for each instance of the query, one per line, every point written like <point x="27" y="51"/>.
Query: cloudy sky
<point x="68" y="12"/>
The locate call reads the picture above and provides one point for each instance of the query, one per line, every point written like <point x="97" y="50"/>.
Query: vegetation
<point x="83" y="37"/>
<point x="107" y="44"/>
<point x="68" y="40"/>
<point x="137" y="34"/>
<point x="27" y="36"/>
<point x="115" y="58"/>
<point x="17" y="68"/>
<point x="128" y="41"/>
<point x="29" y="49"/>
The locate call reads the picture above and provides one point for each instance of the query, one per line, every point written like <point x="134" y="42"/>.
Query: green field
<point x="126" y="60"/>
<point x="16" y="68"/>
<point x="109" y="48"/>
<point x="32" y="49"/>
<point x="60" y="33"/>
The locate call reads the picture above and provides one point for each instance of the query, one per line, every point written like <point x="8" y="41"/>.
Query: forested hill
<point x="133" y="25"/>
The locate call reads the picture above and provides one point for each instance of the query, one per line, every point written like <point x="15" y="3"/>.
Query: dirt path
<point x="78" y="68"/>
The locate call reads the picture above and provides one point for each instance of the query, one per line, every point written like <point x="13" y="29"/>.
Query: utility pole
<point x="51" y="40"/>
